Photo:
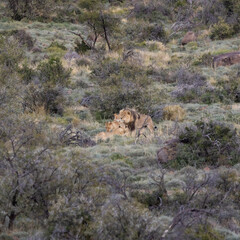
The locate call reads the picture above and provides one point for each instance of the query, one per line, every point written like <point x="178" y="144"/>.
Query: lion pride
<point x="135" y="121"/>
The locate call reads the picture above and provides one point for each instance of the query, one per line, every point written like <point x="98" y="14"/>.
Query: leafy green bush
<point x="150" y="199"/>
<point x="53" y="73"/>
<point x="221" y="30"/>
<point x="205" y="59"/>
<point x="210" y="143"/>
<point x="230" y="90"/>
<point x="57" y="45"/>
<point x="27" y="74"/>
<point x="56" y="50"/>
<point x="48" y="94"/>
<point x="81" y="47"/>
<point x="10" y="56"/>
<point x="120" y="85"/>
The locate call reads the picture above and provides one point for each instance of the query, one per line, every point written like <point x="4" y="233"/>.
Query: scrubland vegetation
<point x="66" y="67"/>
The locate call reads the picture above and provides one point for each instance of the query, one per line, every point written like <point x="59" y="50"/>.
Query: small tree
<point x="99" y="18"/>
<point x="28" y="181"/>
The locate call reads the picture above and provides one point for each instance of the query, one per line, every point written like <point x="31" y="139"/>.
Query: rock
<point x="189" y="37"/>
<point x="36" y="50"/>
<point x="162" y="155"/>
<point x="226" y="59"/>
<point x="168" y="151"/>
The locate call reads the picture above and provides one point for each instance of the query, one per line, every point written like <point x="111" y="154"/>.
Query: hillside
<point x="66" y="67"/>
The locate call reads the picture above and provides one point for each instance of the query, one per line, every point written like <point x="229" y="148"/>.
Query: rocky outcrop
<point x="226" y="59"/>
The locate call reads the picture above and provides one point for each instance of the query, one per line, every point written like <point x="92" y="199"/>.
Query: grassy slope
<point x="123" y="153"/>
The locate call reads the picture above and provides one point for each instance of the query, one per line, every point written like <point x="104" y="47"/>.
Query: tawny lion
<point x="110" y="126"/>
<point x="136" y="122"/>
<point x="115" y="128"/>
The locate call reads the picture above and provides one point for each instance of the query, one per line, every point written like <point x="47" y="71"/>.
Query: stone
<point x="189" y="37"/>
<point x="226" y="59"/>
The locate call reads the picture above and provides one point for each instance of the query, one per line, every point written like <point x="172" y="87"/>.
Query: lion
<point x="113" y="128"/>
<point x="110" y="126"/>
<point x="136" y="122"/>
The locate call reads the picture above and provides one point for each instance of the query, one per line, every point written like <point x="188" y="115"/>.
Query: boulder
<point x="168" y="151"/>
<point x="226" y="59"/>
<point x="189" y="37"/>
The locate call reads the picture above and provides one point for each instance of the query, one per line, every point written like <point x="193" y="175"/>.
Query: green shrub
<point x="81" y="47"/>
<point x="50" y="99"/>
<point x="221" y="30"/>
<point x="120" y="85"/>
<point x="11" y="55"/>
<point x="53" y="73"/>
<point x="57" y="45"/>
<point x="48" y="94"/>
<point x="152" y="199"/>
<point x="210" y="143"/>
<point x="230" y="90"/>
<point x="56" y="50"/>
<point x="26" y="73"/>
<point x="211" y="96"/>
<point x="205" y="59"/>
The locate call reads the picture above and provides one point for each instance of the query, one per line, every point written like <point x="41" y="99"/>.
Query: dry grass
<point x="174" y="113"/>
<point x="156" y="60"/>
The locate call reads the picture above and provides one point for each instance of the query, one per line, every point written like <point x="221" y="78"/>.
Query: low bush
<point x="210" y="143"/>
<point x="81" y="47"/>
<point x="145" y="31"/>
<point x="24" y="38"/>
<point x="120" y="85"/>
<point x="221" y="30"/>
<point x="51" y="77"/>
<point x="57" y="45"/>
<point x="53" y="73"/>
<point x="10" y="56"/>
<point x="27" y="74"/>
<point x="56" y="50"/>
<point x="230" y="90"/>
<point x="205" y="59"/>
<point x="152" y="199"/>
<point x="51" y="100"/>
